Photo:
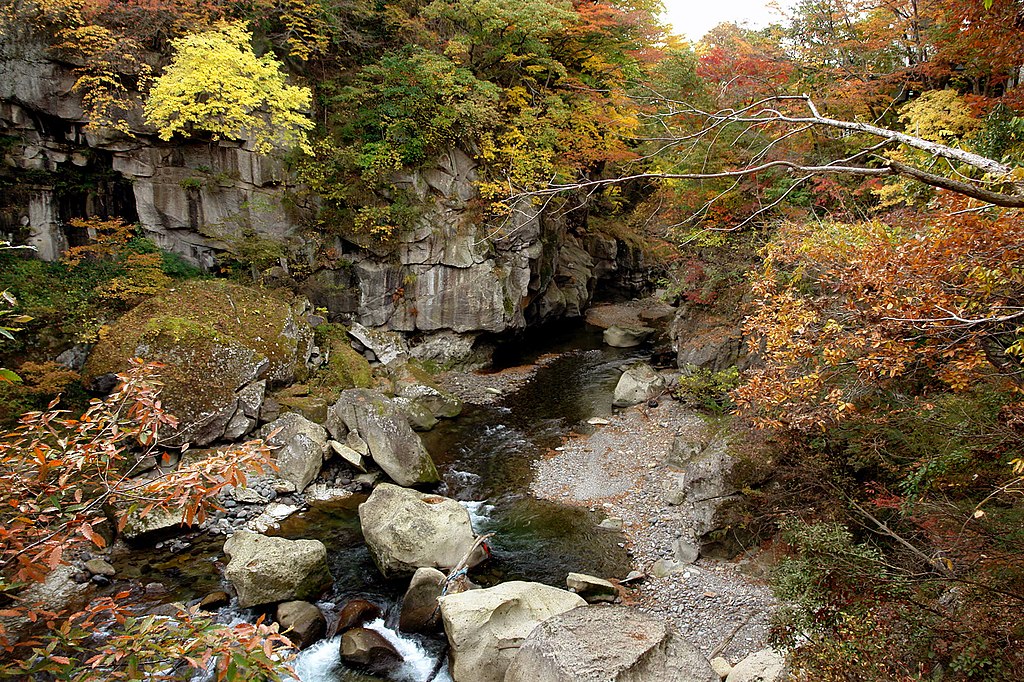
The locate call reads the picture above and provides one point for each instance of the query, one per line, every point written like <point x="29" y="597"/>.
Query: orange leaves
<point x="846" y="310"/>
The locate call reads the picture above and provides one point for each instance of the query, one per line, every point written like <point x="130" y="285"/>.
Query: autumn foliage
<point x="70" y="483"/>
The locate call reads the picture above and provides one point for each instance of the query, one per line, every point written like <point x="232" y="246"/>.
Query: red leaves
<point x="846" y="310"/>
<point x="87" y="531"/>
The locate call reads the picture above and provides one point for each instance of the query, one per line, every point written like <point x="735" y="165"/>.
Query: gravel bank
<point x="621" y="469"/>
<point x="484" y="388"/>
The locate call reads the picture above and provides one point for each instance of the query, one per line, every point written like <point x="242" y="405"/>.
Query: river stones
<point x="299" y="448"/>
<point x="590" y="588"/>
<point x="303" y="623"/>
<point x="369" y="650"/>
<point x="607" y="644"/>
<point x="486" y="627"/>
<point x="265" y="570"/>
<point x="406" y="529"/>
<point x="638" y="384"/>
<point x="390" y="441"/>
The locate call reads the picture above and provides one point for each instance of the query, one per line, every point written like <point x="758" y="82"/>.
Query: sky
<point x="694" y="18"/>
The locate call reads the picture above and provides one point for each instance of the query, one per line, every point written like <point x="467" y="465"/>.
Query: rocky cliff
<point x="451" y="271"/>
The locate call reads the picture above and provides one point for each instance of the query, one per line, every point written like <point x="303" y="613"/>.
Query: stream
<point x="485" y="457"/>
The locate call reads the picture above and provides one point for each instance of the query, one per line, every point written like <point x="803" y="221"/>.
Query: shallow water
<point x="486" y="458"/>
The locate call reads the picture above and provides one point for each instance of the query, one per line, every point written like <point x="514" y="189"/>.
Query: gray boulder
<point x="406" y="529"/>
<point x="626" y="337"/>
<point x="420" y="611"/>
<point x="486" y="627"/>
<point x="607" y="644"/>
<point x="766" y="665"/>
<point x="638" y="384"/>
<point x="300" y="446"/>
<point x="303" y="623"/>
<point x="265" y="570"/>
<point x="390" y="440"/>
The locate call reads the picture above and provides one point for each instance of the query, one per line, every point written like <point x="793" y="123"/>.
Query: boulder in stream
<point x="299" y="448"/>
<point x="369" y="650"/>
<point x="406" y="529"/>
<point x="486" y="627"/>
<point x="607" y="644"/>
<point x="265" y="570"/>
<point x="420" y="610"/>
<point x="638" y="384"/>
<point x="303" y="623"/>
<point x="390" y="441"/>
<point x="357" y="612"/>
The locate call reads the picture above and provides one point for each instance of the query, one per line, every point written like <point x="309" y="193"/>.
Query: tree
<point x="67" y="484"/>
<point x="215" y="84"/>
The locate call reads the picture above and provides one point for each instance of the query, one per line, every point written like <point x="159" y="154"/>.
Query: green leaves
<point x="215" y="84"/>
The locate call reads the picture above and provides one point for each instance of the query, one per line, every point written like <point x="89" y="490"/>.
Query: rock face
<point x="390" y="440"/>
<point x="486" y="627"/>
<point x="607" y="644"/>
<point x="637" y="384"/>
<point x="299" y="448"/>
<point x="221" y="344"/>
<point x="157" y="522"/>
<point x="448" y="272"/>
<point x="265" y="570"/>
<point x="709" y="341"/>
<point x="406" y="529"/>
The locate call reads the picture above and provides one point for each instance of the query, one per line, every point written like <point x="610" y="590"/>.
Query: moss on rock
<point x="213" y="337"/>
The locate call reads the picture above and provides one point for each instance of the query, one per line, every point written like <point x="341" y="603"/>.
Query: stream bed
<point x="485" y="457"/>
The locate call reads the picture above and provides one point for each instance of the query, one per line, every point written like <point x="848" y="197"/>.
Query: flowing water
<point x="485" y="456"/>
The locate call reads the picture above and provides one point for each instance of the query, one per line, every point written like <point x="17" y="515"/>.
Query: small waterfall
<point x="322" y="661"/>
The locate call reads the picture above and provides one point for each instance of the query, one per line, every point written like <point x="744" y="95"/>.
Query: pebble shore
<point x="619" y="469"/>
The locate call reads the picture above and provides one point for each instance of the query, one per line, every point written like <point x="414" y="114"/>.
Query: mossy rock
<point x="345" y="367"/>
<point x="213" y="338"/>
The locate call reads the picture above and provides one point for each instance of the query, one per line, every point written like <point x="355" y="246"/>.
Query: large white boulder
<point x="607" y="644"/>
<point x="638" y="384"/>
<point x="266" y="570"/>
<point x="486" y="627"/>
<point x="391" y="442"/>
<point x="406" y="529"/>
